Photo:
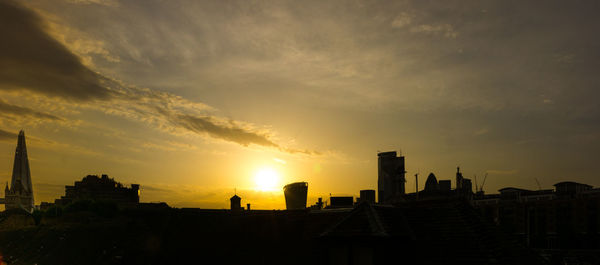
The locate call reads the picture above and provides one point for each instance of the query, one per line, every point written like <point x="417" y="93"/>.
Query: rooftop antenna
<point x="538" y="184"/>
<point x="417" y="185"/>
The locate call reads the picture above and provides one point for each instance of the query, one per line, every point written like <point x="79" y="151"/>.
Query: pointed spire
<point x="21" y="177"/>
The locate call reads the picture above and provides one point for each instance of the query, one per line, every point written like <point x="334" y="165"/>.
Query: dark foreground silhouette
<point x="434" y="232"/>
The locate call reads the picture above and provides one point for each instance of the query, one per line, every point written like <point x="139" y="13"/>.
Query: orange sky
<point x="191" y="99"/>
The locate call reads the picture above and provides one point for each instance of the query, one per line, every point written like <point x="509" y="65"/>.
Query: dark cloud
<point x="6" y="108"/>
<point x="230" y="132"/>
<point x="6" y="136"/>
<point x="31" y="59"/>
<point x="300" y="151"/>
<point x="155" y="188"/>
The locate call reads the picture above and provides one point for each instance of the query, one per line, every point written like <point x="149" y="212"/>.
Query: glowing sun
<point x="266" y="179"/>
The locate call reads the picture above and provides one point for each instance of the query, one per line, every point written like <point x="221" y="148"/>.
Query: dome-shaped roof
<point x="431" y="183"/>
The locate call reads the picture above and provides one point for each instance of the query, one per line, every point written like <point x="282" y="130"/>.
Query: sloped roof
<point x="365" y="221"/>
<point x="442" y="231"/>
<point x="512" y="189"/>
<point x="570" y="183"/>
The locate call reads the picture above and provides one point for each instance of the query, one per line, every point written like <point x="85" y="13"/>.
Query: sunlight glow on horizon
<point x="267" y="179"/>
<point x="254" y="96"/>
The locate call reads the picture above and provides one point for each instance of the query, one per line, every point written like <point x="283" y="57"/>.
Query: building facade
<point x="295" y="195"/>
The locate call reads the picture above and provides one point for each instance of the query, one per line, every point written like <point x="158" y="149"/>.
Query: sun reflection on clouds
<point x="280" y="161"/>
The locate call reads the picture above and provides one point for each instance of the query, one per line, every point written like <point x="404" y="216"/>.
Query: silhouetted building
<point x="236" y="203"/>
<point x="445" y="185"/>
<point x="570" y="188"/>
<point x="367" y="196"/>
<point x="318" y="205"/>
<point x="464" y="186"/>
<point x="341" y="202"/>
<point x="568" y="218"/>
<point x="295" y="195"/>
<point x="20" y="192"/>
<point x="513" y="194"/>
<point x="102" y="188"/>
<point x="446" y="231"/>
<point x="467" y="185"/>
<point x="431" y="184"/>
<point x="391" y="176"/>
<point x="434" y="190"/>
<point x="459" y="179"/>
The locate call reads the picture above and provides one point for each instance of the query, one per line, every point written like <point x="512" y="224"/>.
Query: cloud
<point x="7" y="136"/>
<point x="31" y="59"/>
<point x="230" y="132"/>
<point x="564" y="58"/>
<point x="445" y="29"/>
<point x="481" y="132"/>
<point x="402" y="20"/>
<point x="155" y="188"/>
<point x="280" y="161"/>
<point x="6" y="108"/>
<point x="300" y="151"/>
<point x="175" y="114"/>
<point x="87" y="48"/>
<point x="96" y="2"/>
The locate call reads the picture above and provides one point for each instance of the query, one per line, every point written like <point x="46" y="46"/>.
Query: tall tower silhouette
<point x="391" y="176"/>
<point x="20" y="192"/>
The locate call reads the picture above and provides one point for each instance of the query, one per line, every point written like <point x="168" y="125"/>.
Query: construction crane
<point x="484" y="178"/>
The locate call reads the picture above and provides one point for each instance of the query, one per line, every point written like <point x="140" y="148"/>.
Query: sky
<point x="191" y="99"/>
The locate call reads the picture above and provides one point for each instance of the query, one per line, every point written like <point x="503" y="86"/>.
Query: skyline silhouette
<point x="460" y="225"/>
<point x="195" y="99"/>
<point x="287" y="132"/>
